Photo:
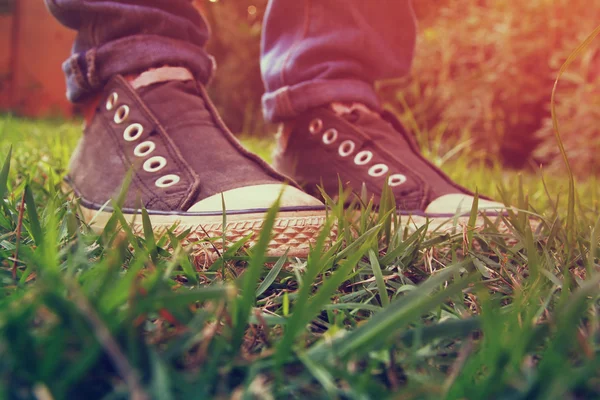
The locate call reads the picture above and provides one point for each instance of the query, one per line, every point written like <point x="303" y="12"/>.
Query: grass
<point x="472" y="313"/>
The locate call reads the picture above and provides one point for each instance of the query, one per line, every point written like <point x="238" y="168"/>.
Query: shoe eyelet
<point x="346" y="148"/>
<point x="396" y="180"/>
<point x="143" y="149"/>
<point x="378" y="170"/>
<point x="363" y="157"/>
<point x="315" y="126"/>
<point x="121" y="114"/>
<point x="133" y="132"/>
<point x="111" y="102"/>
<point x="167" y="181"/>
<point x="154" y="164"/>
<point x="330" y="136"/>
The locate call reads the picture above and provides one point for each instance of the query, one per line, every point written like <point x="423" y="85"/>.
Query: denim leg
<point x="315" y="52"/>
<point x="129" y="36"/>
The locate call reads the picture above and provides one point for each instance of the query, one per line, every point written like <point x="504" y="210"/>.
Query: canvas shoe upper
<point x="361" y="148"/>
<point x="184" y="161"/>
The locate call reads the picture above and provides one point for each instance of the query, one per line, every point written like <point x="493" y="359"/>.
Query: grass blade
<point x="272" y="275"/>
<point x="4" y="174"/>
<point x="34" y="222"/>
<point x="472" y="220"/>
<point x="149" y="236"/>
<point x="571" y="228"/>
<point x="251" y="276"/>
<point x="385" y="300"/>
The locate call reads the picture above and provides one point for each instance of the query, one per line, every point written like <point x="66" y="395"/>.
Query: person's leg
<point x="320" y="59"/>
<point x="138" y="69"/>
<point x="315" y="52"/>
<point x="125" y="37"/>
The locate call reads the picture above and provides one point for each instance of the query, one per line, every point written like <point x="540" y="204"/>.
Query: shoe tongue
<point x="174" y="102"/>
<point x="347" y="109"/>
<point x="370" y="121"/>
<point x="178" y="82"/>
<point x="161" y="75"/>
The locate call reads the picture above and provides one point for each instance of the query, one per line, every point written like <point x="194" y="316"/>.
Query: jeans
<point x="313" y="52"/>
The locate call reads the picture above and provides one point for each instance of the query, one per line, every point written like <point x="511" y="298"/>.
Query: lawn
<point x="507" y="310"/>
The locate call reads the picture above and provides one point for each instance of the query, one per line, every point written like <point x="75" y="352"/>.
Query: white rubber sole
<point x="293" y="231"/>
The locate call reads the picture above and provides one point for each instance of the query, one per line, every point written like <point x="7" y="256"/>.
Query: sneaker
<point x="362" y="148"/>
<point x="162" y="126"/>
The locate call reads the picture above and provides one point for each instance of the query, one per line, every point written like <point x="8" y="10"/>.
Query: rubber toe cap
<point x="453" y="204"/>
<point x="257" y="197"/>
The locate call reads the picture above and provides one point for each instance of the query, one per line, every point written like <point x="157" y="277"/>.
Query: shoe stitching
<point x="157" y="200"/>
<point x="127" y="210"/>
<point x="92" y="77"/>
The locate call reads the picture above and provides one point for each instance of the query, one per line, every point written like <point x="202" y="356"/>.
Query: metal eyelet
<point x="167" y="181"/>
<point x="378" y="170"/>
<point x="330" y="136"/>
<point x="143" y="149"/>
<point x="315" y="126"/>
<point x="346" y="148"/>
<point x="133" y="132"/>
<point x="363" y="157"/>
<point x="111" y="102"/>
<point x="154" y="164"/>
<point x="121" y="114"/>
<point x="396" y="180"/>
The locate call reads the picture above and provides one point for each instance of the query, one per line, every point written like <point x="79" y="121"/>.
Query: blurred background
<point x="480" y="84"/>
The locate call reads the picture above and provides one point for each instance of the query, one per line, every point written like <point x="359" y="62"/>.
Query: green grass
<point x="471" y="313"/>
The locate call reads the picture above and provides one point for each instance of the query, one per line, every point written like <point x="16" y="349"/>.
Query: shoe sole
<point x="293" y="231"/>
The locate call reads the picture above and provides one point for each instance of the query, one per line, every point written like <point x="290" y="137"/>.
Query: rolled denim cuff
<point x="88" y="72"/>
<point x="291" y="101"/>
